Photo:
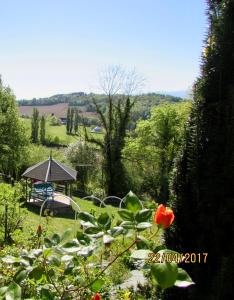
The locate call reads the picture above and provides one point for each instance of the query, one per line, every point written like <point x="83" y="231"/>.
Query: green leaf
<point x="68" y="268"/>
<point x="143" y="225"/>
<point x="84" y="216"/>
<point x="66" y="235"/>
<point x="143" y="215"/>
<point x="55" y="239"/>
<point x="48" y="243"/>
<point x="183" y="279"/>
<point x="164" y="274"/>
<point x="86" y="251"/>
<point x="127" y="225"/>
<point x="165" y="251"/>
<point x="126" y="215"/>
<point x="13" y="292"/>
<point x="142" y="243"/>
<point x="36" y="273"/>
<point x="158" y="248"/>
<point x="70" y="244"/>
<point x="10" y="259"/>
<point x="3" y="291"/>
<point x="46" y="294"/>
<point x="71" y="249"/>
<point x="115" y="231"/>
<point x="66" y="258"/>
<point x="132" y="202"/>
<point x="20" y="276"/>
<point x="54" y="260"/>
<point x="92" y="230"/>
<point x="97" y="285"/>
<point x="36" y="252"/>
<point x="84" y="239"/>
<point x="141" y="254"/>
<point x="104" y="220"/>
<point x="47" y="252"/>
<point x="98" y="235"/>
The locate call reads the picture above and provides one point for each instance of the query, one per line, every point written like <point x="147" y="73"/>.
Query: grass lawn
<point x="60" y="224"/>
<point x="60" y="132"/>
<point x="53" y="131"/>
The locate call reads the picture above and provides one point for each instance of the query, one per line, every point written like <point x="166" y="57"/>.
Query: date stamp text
<point x="169" y="257"/>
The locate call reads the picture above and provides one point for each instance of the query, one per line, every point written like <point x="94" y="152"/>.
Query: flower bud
<point x="39" y="230"/>
<point x="164" y="216"/>
<point x="97" y="296"/>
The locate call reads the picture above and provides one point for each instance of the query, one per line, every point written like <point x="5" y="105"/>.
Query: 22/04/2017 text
<point x="170" y="257"/>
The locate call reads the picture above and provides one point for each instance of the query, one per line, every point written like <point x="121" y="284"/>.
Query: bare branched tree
<point x="119" y="86"/>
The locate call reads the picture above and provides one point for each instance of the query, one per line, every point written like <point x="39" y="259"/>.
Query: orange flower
<point x="39" y="230"/>
<point x="97" y="296"/>
<point x="164" y="216"/>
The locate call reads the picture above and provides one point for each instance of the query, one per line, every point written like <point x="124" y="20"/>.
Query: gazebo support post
<point x="70" y="190"/>
<point x="26" y="190"/>
<point x="31" y="188"/>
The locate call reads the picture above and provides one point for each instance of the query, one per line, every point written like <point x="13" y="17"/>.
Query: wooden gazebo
<point x="43" y="175"/>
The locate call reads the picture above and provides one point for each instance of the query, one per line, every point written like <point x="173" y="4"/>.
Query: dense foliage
<point x="10" y="217"/>
<point x="151" y="149"/>
<point x="203" y="184"/>
<point x="82" y="99"/>
<point x="86" y="160"/>
<point x="12" y="133"/>
<point x="77" y="265"/>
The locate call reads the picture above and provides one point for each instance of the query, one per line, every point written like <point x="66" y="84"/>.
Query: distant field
<point x="59" y="110"/>
<point x="60" y="132"/>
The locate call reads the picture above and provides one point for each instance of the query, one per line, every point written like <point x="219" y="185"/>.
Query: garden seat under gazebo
<point x="42" y="176"/>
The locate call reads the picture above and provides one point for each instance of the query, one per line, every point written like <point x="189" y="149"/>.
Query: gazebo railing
<point x="77" y="209"/>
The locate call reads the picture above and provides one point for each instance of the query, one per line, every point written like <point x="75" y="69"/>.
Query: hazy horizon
<point x="181" y="94"/>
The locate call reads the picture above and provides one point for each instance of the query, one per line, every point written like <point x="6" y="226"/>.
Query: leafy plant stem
<point x="155" y="233"/>
<point x="110" y="263"/>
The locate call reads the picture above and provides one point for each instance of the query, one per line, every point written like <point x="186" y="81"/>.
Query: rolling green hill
<point x="84" y="102"/>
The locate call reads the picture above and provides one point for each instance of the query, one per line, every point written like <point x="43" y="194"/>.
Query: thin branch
<point x="100" y="273"/>
<point x="110" y="263"/>
<point x="101" y="115"/>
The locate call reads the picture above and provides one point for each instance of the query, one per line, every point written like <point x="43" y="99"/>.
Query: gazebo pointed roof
<point x="50" y="170"/>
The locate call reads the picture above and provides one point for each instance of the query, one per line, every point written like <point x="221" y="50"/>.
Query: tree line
<point x="73" y="120"/>
<point x="38" y="128"/>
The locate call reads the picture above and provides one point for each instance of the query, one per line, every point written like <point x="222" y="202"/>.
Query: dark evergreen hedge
<point x="203" y="185"/>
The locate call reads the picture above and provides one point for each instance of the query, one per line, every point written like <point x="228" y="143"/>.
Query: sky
<point x="60" y="46"/>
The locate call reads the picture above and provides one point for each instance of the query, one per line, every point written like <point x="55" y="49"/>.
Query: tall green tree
<point x="13" y="139"/>
<point x="35" y="126"/>
<point x="203" y="185"/>
<point x="71" y="120"/>
<point x="153" y="146"/>
<point x="76" y="121"/>
<point x="118" y="85"/>
<point x="42" y="130"/>
<point x="68" y="120"/>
